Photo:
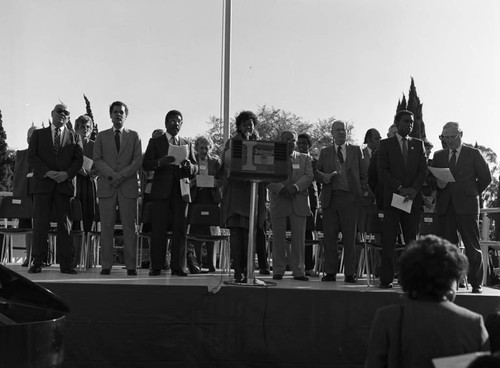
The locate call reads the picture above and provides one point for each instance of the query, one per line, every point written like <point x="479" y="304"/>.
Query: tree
<point x="415" y="106"/>
<point x="273" y="122"/>
<point x="88" y="109"/>
<point x="6" y="160"/>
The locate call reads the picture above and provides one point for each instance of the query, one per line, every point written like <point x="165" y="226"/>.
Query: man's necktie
<point x="174" y="141"/>
<point x="405" y="149"/>
<point x="57" y="140"/>
<point x="453" y="160"/>
<point x="117" y="140"/>
<point x="340" y="155"/>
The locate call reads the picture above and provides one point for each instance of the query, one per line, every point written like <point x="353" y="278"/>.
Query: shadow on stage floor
<point x="197" y="321"/>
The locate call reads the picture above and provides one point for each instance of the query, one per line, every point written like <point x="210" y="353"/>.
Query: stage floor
<point x="198" y="321"/>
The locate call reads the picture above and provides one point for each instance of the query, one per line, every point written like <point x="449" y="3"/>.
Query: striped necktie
<point x="340" y="155"/>
<point x="57" y="140"/>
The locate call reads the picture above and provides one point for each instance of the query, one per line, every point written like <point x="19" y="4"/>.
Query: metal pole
<point x="227" y="67"/>
<point x="254" y="197"/>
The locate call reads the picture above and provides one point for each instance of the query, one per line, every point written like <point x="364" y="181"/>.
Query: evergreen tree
<point x="415" y="106"/>
<point x="88" y="109"/>
<point x="5" y="161"/>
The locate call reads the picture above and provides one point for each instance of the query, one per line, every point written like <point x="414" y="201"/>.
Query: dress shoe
<point x="179" y="273"/>
<point x="384" y="285"/>
<point x="312" y="273"/>
<point x="277" y="276"/>
<point x="301" y="278"/>
<point x="350" y="279"/>
<point x="329" y="277"/>
<point x="26" y="263"/>
<point x="211" y="269"/>
<point x="155" y="273"/>
<point x="131" y="273"/>
<point x="264" y="271"/>
<point x="35" y="269"/>
<point x="194" y="270"/>
<point x="69" y="271"/>
<point x="477" y="289"/>
<point x="105" y="271"/>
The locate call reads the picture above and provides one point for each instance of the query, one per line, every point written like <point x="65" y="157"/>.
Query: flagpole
<point x="227" y="67"/>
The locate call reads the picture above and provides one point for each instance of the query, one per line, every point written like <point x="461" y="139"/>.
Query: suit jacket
<point x="472" y="176"/>
<point x="302" y="176"/>
<point x="314" y="189"/>
<point x="127" y="162"/>
<point x="42" y="158"/>
<point x="167" y="176"/>
<point x="214" y="169"/>
<point x="392" y="171"/>
<point x="429" y="330"/>
<point x="354" y="168"/>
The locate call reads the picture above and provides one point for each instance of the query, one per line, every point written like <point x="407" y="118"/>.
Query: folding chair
<point x="210" y="215"/>
<point x="14" y="209"/>
<point x="428" y="224"/>
<point x="372" y="242"/>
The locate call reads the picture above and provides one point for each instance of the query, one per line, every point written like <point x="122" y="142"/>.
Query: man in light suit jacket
<point x="401" y="167"/>
<point x="118" y="157"/>
<point x="290" y="200"/>
<point x="55" y="154"/>
<point x="169" y="203"/>
<point x="457" y="204"/>
<point x="344" y="176"/>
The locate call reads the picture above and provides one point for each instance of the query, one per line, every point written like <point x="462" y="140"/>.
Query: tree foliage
<point x="6" y="160"/>
<point x="415" y="106"/>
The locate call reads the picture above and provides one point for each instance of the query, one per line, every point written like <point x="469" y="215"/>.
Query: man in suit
<point x="168" y="194"/>
<point x="118" y="157"/>
<point x="55" y="154"/>
<point x="457" y="203"/>
<point x="344" y="177"/>
<point x="304" y="145"/>
<point x="402" y="167"/>
<point x="290" y="200"/>
<point x="372" y="141"/>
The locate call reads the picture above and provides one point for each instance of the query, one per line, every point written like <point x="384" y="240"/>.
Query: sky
<point x="351" y="59"/>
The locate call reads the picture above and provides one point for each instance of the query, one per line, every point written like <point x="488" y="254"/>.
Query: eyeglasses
<point x="62" y="112"/>
<point x="449" y="137"/>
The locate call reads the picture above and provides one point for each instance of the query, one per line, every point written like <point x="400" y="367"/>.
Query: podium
<point x="256" y="162"/>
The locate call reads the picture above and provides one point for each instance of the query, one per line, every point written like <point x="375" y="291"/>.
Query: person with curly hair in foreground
<point x="427" y="324"/>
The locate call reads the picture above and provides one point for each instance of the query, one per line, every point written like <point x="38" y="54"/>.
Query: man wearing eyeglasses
<point x="55" y="154"/>
<point x="457" y="203"/>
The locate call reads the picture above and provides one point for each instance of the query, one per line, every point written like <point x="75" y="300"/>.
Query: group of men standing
<point x="55" y="154"/>
<point x="343" y="170"/>
<point x="394" y="166"/>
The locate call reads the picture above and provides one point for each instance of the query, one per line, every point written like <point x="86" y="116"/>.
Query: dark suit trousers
<point x="450" y="224"/>
<point x="393" y="218"/>
<point x="42" y="213"/>
<point x="340" y="216"/>
<point x="169" y="213"/>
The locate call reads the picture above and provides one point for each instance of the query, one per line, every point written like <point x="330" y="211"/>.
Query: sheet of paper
<point x="180" y="153"/>
<point x="442" y="173"/>
<point x="457" y="361"/>
<point x="398" y="201"/>
<point x="205" y="181"/>
<point x="87" y="163"/>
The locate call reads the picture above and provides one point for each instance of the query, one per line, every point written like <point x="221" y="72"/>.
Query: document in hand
<point x="401" y="203"/>
<point x="180" y="153"/>
<point x="457" y="361"/>
<point x="442" y="173"/>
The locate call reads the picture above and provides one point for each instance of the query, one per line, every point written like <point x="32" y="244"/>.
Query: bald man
<point x="457" y="203"/>
<point x="55" y="154"/>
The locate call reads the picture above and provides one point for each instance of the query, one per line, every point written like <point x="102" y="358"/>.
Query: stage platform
<point x="198" y="321"/>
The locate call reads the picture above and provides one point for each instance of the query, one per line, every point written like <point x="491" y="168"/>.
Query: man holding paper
<point x="170" y="193"/>
<point x="457" y="203"/>
<point x="402" y="167"/>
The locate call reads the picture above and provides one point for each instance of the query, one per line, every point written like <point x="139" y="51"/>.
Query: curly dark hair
<point x="244" y="116"/>
<point x="429" y="266"/>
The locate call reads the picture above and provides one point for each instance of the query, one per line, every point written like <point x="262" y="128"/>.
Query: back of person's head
<point x="158" y="132"/>
<point x="486" y="361"/>
<point x="429" y="267"/>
